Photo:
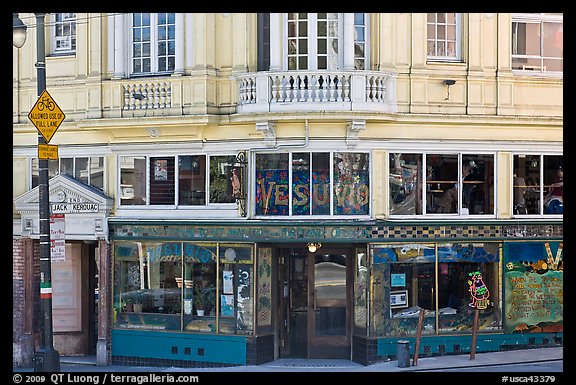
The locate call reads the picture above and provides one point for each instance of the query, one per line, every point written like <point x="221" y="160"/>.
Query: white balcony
<point x="316" y="91"/>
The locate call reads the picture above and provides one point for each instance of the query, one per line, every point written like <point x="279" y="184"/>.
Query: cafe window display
<point x="448" y="184"/>
<point x="439" y="280"/>
<point x="302" y="183"/>
<point x="538" y="184"/>
<point x="183" y="180"/>
<point x="184" y="286"/>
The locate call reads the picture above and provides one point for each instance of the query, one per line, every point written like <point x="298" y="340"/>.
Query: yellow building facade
<point x="204" y="152"/>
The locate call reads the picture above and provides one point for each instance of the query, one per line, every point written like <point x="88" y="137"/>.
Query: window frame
<point x="312" y="43"/>
<point x="175" y="204"/>
<point x="457" y="57"/>
<point x="34" y="165"/>
<point x="291" y="215"/>
<point x="153" y="41"/>
<point x="540" y="187"/>
<point x="534" y="18"/>
<point x="422" y="185"/>
<point x="67" y="20"/>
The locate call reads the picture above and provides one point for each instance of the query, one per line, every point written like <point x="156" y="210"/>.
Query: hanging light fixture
<point x="312" y="246"/>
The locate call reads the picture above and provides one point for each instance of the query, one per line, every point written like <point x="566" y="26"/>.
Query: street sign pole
<point x="46" y="358"/>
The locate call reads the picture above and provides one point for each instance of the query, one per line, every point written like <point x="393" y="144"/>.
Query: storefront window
<point x="531" y="196"/>
<point x="438" y="280"/>
<point x="198" y="284"/>
<point x="176" y="286"/>
<point x="468" y="273"/>
<point x="236" y="289"/>
<point x="146" y="292"/>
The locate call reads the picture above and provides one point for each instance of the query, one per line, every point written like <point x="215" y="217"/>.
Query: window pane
<point x="236" y="288"/>
<point x="162" y="181"/>
<point x="553" y="185"/>
<point x="478" y="184"/>
<point x="97" y="172"/>
<point x="526" y="173"/>
<point x="146" y="295"/>
<point x="351" y="183"/>
<point x="192" y="180"/>
<point x="441" y="183"/>
<point x="468" y="278"/>
<point x="300" y="183"/>
<point x="272" y="184"/>
<point x="198" y="284"/>
<point x="82" y="169"/>
<point x="67" y="166"/>
<point x="224" y="178"/>
<point x="405" y="184"/>
<point x="320" y="183"/>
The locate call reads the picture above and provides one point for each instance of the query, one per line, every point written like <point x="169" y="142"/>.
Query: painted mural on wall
<point x="533" y="275"/>
<point x="264" y="287"/>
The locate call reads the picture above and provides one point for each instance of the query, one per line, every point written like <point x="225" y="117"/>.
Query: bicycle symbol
<point x="46" y="102"/>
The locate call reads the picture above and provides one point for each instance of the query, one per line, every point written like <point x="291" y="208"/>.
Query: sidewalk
<point x="88" y="363"/>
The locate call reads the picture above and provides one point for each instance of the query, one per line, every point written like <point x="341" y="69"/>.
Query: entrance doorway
<point x="315" y="302"/>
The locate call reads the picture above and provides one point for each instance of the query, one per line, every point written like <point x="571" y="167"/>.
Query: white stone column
<point x="189" y="46"/>
<point x="348" y="41"/>
<point x="179" y="60"/>
<point x="119" y="50"/>
<point x="110" y="69"/>
<point x="276" y="41"/>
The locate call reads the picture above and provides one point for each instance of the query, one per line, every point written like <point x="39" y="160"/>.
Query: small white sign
<point x="73" y="208"/>
<point x="57" y="238"/>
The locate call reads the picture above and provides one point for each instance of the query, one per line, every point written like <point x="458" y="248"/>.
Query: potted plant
<point x="199" y="301"/>
<point x="139" y="302"/>
<point x="128" y="303"/>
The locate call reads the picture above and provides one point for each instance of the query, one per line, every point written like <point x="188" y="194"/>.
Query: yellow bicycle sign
<point x="46" y="116"/>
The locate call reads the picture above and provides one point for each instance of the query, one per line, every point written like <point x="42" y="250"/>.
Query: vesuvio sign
<point x="68" y="208"/>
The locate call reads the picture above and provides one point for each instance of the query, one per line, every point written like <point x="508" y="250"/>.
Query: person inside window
<point x="554" y="200"/>
<point x="519" y="192"/>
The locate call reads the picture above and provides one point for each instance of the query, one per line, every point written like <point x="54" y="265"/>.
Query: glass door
<point x="328" y="304"/>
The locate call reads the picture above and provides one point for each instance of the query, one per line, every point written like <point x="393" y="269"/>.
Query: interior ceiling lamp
<point x="312" y="246"/>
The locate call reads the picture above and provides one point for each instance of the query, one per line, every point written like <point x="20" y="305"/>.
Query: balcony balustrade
<point x="316" y="90"/>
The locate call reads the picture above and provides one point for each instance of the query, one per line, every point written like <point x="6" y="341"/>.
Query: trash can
<point x="403" y="353"/>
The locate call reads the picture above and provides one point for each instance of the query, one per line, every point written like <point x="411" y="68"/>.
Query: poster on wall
<point x="161" y="169"/>
<point x="398" y="299"/>
<point x="227" y="278"/>
<point x="398" y="280"/>
<point x="533" y="278"/>
<point x="227" y="305"/>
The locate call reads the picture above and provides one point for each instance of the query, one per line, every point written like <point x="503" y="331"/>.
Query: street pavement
<point x="481" y="361"/>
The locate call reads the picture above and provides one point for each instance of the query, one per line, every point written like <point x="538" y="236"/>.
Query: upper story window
<point x="88" y="170"/>
<point x="433" y="183"/>
<point x="538" y="184"/>
<point x="185" y="180"/>
<point x="443" y="30"/>
<point x="313" y="41"/>
<point x="319" y="183"/>
<point x="64" y="33"/>
<point x="538" y="42"/>
<point x="153" y="43"/>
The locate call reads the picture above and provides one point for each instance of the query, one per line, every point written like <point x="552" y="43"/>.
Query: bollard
<point x="403" y="353"/>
